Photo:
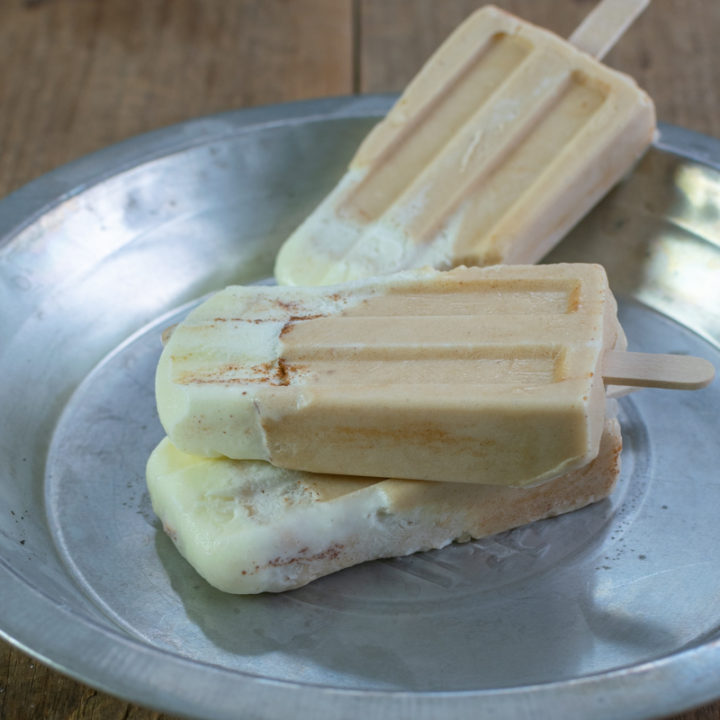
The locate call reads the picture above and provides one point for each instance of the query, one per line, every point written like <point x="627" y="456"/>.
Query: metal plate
<point x="608" y="612"/>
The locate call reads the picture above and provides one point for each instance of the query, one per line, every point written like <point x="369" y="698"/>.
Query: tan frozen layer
<point x="480" y="375"/>
<point x="502" y="142"/>
<point x="249" y="527"/>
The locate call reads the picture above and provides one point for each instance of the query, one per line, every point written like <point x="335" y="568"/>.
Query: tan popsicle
<point x="249" y="527"/>
<point x="481" y="375"/>
<point x="502" y="142"/>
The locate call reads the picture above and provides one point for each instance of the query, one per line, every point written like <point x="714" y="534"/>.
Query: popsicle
<point x="249" y="527"/>
<point x="501" y="143"/>
<point x="482" y="375"/>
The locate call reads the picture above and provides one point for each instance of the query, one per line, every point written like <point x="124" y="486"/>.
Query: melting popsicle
<point x="249" y="527"/>
<point x="482" y="375"/>
<point x="502" y="142"/>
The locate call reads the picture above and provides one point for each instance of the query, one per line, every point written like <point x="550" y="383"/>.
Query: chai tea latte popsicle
<point x="482" y="375"/>
<point x="502" y="142"/>
<point x="249" y="527"/>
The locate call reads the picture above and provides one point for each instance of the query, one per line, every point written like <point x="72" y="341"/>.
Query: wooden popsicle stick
<point x="675" y="372"/>
<point x="605" y="24"/>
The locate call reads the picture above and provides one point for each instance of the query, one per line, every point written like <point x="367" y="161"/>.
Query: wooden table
<point x="76" y="75"/>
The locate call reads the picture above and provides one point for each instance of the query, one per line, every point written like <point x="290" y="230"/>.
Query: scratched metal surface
<point x="608" y="612"/>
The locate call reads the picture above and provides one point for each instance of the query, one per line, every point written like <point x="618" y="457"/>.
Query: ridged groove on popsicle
<point x="396" y="159"/>
<point x="415" y="323"/>
<point x="414" y="351"/>
<point x="515" y="118"/>
<point x="572" y="109"/>
<point x="541" y="307"/>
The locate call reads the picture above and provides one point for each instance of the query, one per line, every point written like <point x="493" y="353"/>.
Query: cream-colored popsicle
<point x="484" y="375"/>
<point x="502" y="142"/>
<point x="249" y="527"/>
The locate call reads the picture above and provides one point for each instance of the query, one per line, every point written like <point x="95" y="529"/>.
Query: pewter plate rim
<point x="127" y="668"/>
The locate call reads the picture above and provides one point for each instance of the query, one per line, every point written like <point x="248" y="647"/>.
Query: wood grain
<point x="76" y="75"/>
